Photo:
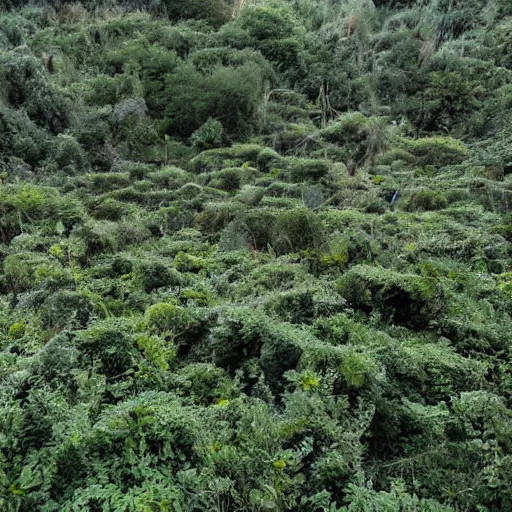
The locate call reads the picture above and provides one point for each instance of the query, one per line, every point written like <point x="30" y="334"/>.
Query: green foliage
<point x="24" y="270"/>
<point x="108" y="343"/>
<point x="437" y="151"/>
<point x="167" y="317"/>
<point x="208" y="136"/>
<point x="308" y="170"/>
<point x="21" y="138"/>
<point x="297" y="230"/>
<point x="157" y="274"/>
<point x="425" y="200"/>
<point x="16" y="330"/>
<point x="238" y="154"/>
<point x="230" y="95"/>
<point x="361" y="138"/>
<point x="448" y="98"/>
<point x="403" y="298"/>
<point x="26" y="86"/>
<point x="255" y="255"/>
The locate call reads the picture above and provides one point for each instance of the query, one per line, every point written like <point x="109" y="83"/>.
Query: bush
<point x="110" y="209"/>
<point x="242" y="336"/>
<point x="27" y="87"/>
<point x="308" y="169"/>
<point x="21" y="138"/>
<point x="215" y="12"/>
<point x="237" y="155"/>
<point x="106" y="236"/>
<point x="208" y="136"/>
<point x="16" y="331"/>
<point x="361" y="138"/>
<point x="230" y="95"/>
<point x="167" y="318"/>
<point x="437" y="151"/>
<point x="66" y="308"/>
<point x="69" y="153"/>
<point x="188" y="263"/>
<point x="297" y="229"/>
<point x="229" y="180"/>
<point x="108" y="342"/>
<point x="394" y="154"/>
<point x="406" y="299"/>
<point x="426" y="200"/>
<point x="157" y="274"/>
<point x="23" y="270"/>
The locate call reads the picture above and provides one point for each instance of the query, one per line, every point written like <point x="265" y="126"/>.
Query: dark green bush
<point x="208" y="136"/>
<point x="66" y="308"/>
<point x="405" y="299"/>
<point x="295" y="230"/>
<point x="26" y="86"/>
<point x="227" y="179"/>
<point x="437" y="151"/>
<point x="243" y="336"/>
<point x="308" y="169"/>
<point x="20" y="137"/>
<point x="426" y="200"/>
<point x="108" y="343"/>
<point x="230" y="95"/>
<point x="157" y="274"/>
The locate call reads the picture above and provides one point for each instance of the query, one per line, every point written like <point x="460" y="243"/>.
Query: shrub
<point x="295" y="306"/>
<point x="105" y="182"/>
<point x="264" y="23"/>
<point x="406" y="299"/>
<point x="426" y="200"/>
<point x="268" y="159"/>
<point x="64" y="308"/>
<point x="106" y="236"/>
<point x="167" y="318"/>
<point x="109" y="343"/>
<point x="297" y="229"/>
<point x="69" y="153"/>
<point x="348" y="128"/>
<point x="308" y="169"/>
<point x="27" y="87"/>
<point x="208" y="136"/>
<point x="230" y="95"/>
<point x="228" y="180"/>
<point x="394" y="154"/>
<point x="215" y="12"/>
<point x="157" y="274"/>
<point x="21" y="138"/>
<point x="188" y="263"/>
<point x="16" y="331"/>
<point x="437" y="151"/>
<point x="110" y="209"/>
<point x="217" y="159"/>
<point x="448" y="97"/>
<point x="241" y="336"/>
<point x="157" y="351"/>
<point x="361" y="138"/>
<point x="23" y="270"/>
<point x="216" y="216"/>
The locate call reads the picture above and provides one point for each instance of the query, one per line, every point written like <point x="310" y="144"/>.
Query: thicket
<point x="255" y="255"/>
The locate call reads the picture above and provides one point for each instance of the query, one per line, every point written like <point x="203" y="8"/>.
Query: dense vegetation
<point x="256" y="255"/>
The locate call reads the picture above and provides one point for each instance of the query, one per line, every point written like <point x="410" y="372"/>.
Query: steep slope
<point x="255" y="256"/>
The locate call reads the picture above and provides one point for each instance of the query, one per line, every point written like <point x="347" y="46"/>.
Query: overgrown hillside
<point x="256" y="256"/>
